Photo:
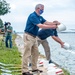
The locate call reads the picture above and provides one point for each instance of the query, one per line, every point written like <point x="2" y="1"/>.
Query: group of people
<point x="6" y="30"/>
<point x="33" y="37"/>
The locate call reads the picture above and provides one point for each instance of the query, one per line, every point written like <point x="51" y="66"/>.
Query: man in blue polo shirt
<point x="43" y="34"/>
<point x="34" y="22"/>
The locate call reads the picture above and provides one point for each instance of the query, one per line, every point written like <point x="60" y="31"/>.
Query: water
<point x="65" y="58"/>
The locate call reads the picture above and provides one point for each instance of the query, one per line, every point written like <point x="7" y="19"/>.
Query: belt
<point x="30" y="34"/>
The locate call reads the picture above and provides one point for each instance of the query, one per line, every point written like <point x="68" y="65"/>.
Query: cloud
<point x="54" y="10"/>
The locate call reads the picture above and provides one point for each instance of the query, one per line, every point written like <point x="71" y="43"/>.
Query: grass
<point x="10" y="55"/>
<point x="65" y="72"/>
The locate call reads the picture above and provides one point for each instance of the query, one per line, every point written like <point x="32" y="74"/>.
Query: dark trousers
<point x="8" y="41"/>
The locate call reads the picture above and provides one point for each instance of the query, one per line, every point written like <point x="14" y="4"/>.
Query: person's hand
<point x="58" y="23"/>
<point x="54" y="26"/>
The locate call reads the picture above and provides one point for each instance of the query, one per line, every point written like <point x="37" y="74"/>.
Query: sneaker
<point x="50" y="61"/>
<point x="26" y="73"/>
<point x="37" y="71"/>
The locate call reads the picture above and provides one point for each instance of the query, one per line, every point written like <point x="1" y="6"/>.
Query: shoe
<point x="50" y="61"/>
<point x="37" y="71"/>
<point x="26" y="73"/>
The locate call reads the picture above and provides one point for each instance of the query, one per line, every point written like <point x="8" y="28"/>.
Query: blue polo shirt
<point x="45" y="33"/>
<point x="32" y="21"/>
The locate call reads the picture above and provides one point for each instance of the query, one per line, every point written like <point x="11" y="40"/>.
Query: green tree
<point x="4" y="7"/>
<point x="1" y="23"/>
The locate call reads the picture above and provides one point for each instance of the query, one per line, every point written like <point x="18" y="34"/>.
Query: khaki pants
<point x="30" y="49"/>
<point x="45" y="46"/>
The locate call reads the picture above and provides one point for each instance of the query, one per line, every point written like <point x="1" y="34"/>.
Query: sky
<point x="61" y="10"/>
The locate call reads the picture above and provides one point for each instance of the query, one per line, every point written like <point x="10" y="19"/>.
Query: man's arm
<point x="52" y="23"/>
<point x="44" y="26"/>
<point x="10" y="30"/>
<point x="49" y="23"/>
<point x="57" y="39"/>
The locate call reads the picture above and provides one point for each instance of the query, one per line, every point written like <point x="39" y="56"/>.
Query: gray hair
<point x="38" y="6"/>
